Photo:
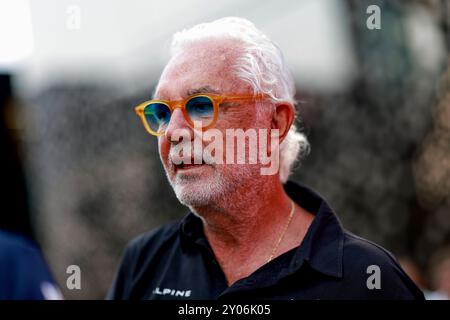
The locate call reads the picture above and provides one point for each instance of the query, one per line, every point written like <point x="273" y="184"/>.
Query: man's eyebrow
<point x="205" y="89"/>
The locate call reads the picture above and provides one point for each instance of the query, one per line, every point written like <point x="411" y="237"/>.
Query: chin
<point x="213" y="188"/>
<point x="197" y="192"/>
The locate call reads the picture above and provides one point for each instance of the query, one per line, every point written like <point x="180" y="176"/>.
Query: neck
<point x="242" y="222"/>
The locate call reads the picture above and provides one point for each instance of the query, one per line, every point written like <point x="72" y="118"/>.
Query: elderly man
<point x="250" y="233"/>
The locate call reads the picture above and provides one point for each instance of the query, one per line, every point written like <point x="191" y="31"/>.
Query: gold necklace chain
<point x="291" y="214"/>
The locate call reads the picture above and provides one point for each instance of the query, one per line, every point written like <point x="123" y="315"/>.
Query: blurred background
<point x="86" y="177"/>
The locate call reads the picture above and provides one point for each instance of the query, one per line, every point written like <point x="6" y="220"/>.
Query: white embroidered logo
<point x="172" y="292"/>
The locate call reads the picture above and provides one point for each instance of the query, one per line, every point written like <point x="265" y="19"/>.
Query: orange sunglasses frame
<point x="216" y="99"/>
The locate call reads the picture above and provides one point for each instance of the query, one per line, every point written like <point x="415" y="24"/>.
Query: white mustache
<point x="177" y="154"/>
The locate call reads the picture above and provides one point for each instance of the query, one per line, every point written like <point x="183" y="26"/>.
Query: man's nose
<point x="177" y="122"/>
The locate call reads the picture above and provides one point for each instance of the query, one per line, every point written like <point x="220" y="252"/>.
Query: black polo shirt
<point x="175" y="261"/>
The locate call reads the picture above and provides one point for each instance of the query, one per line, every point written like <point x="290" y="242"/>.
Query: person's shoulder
<point x="366" y="260"/>
<point x="142" y="254"/>
<point x="362" y="250"/>
<point x="15" y="244"/>
<point x="154" y="239"/>
<point x="17" y="279"/>
<point x="161" y="234"/>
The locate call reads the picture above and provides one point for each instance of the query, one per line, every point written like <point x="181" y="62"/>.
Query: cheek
<point x="244" y="118"/>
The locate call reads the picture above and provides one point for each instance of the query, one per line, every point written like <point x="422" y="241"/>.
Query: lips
<point x="186" y="166"/>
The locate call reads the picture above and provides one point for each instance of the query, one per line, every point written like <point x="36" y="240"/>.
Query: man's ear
<point x="282" y="119"/>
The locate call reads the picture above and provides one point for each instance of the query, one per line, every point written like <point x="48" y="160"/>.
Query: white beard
<point x="215" y="188"/>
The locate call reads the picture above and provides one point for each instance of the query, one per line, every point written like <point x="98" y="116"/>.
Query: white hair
<point x="262" y="66"/>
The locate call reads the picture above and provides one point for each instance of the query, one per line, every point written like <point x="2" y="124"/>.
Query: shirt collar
<point x="322" y="247"/>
